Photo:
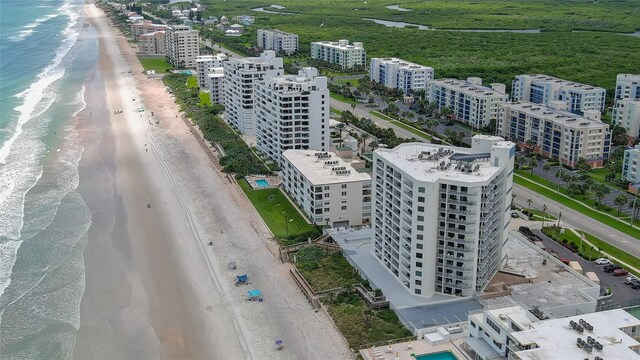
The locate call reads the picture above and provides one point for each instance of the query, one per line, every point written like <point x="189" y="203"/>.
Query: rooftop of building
<point x="340" y="44"/>
<point x="628" y="77"/>
<point x="276" y="31"/>
<point x="570" y="120"/>
<point x="266" y="57"/>
<point x="403" y="64"/>
<point x="567" y="83"/>
<point x="542" y="285"/>
<point x="431" y="163"/>
<point x="204" y="58"/>
<point x="152" y="34"/>
<point x="469" y="87"/>
<point x="556" y="339"/>
<point x="517" y="314"/>
<point x="323" y="167"/>
<point x="628" y="101"/>
<point x="306" y="76"/>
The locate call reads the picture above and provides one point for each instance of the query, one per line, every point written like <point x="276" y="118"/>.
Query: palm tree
<point x="353" y="108"/>
<point x="587" y="185"/>
<point x="533" y="163"/>
<point x="620" y="200"/>
<point x="374" y="145"/>
<point x="432" y="124"/>
<point x="601" y="191"/>
<point x="634" y="205"/>
<point x="364" y="137"/>
<point x="546" y="167"/>
<point x="529" y="201"/>
<point x="340" y="128"/>
<point x="544" y="213"/>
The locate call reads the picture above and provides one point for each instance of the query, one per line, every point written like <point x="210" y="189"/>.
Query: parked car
<point x="611" y="267"/>
<point x="565" y="261"/>
<point x="630" y="279"/>
<point x="620" y="272"/>
<point x="635" y="284"/>
<point x="515" y="215"/>
<point x="603" y="261"/>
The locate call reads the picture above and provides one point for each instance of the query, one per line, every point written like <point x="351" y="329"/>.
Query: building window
<point x="418" y="291"/>
<point x="418" y="282"/>
<point x="419" y="264"/>
<point x="420" y="228"/>
<point x="421" y="189"/>
<point x="493" y="326"/>
<point x="419" y="246"/>
<point x="418" y="273"/>
<point x="344" y="208"/>
<point x="326" y="188"/>
<point x="420" y="198"/>
<point x="473" y="325"/>
<point x="420" y="218"/>
<point x="344" y="193"/>
<point x="344" y="186"/>
<point x="419" y="237"/>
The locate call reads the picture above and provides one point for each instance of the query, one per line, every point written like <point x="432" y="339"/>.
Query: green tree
<point x="583" y="165"/>
<point x="546" y="167"/>
<point x="364" y="137"/>
<point x="533" y="163"/>
<point x="620" y="200"/>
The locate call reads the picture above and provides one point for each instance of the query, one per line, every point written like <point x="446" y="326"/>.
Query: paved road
<point x="577" y="220"/>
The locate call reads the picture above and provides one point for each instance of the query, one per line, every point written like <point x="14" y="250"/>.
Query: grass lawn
<point x="192" y="82"/>
<point x="325" y="269"/>
<point x="360" y="325"/>
<point x="276" y="210"/>
<point x="204" y="99"/>
<point x="569" y="237"/>
<point x="341" y="98"/>
<point x="159" y="64"/>
<point x="336" y="111"/>
<point x="413" y="130"/>
<point x="614" y="223"/>
<point x="538" y="215"/>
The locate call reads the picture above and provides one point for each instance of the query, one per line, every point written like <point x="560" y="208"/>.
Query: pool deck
<point x="273" y="182"/>
<point x="419" y="347"/>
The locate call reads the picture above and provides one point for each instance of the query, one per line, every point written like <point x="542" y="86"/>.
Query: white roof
<point x="402" y="64"/>
<point x="559" y="117"/>
<point x="468" y="88"/>
<point x="315" y="170"/>
<point x="407" y="158"/>
<point x="566" y="83"/>
<point x="555" y="339"/>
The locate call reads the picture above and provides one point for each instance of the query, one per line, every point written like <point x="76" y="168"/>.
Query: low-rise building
<point x="626" y="113"/>
<point x="627" y="86"/>
<point x="292" y="112"/>
<point x="630" y="165"/>
<point x="340" y="53"/>
<point x="399" y="74"/>
<point x="152" y="43"/>
<point x="543" y="89"/>
<point x="559" y="135"/>
<point x="326" y="188"/>
<point x="145" y="27"/>
<point x="182" y="46"/>
<point x="469" y="101"/>
<point x="515" y="333"/>
<point x="441" y="214"/>
<point x="240" y="77"/>
<point x="278" y="41"/>
<point x="205" y="65"/>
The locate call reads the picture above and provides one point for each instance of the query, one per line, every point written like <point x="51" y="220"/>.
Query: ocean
<point x="47" y="54"/>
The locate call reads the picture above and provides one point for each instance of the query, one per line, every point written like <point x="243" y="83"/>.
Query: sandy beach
<point x="154" y="288"/>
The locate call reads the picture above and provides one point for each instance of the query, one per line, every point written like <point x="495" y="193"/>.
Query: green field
<point x="159" y="64"/>
<point x="192" y="82"/>
<point x="278" y="213"/>
<point x="591" y="57"/>
<point x="325" y="269"/>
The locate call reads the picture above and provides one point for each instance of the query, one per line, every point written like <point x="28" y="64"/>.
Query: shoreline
<point x="154" y="288"/>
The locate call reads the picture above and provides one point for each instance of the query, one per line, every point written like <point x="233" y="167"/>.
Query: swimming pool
<point x="262" y="183"/>
<point x="445" y="355"/>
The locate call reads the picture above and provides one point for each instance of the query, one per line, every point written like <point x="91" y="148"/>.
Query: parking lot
<point x="621" y="291"/>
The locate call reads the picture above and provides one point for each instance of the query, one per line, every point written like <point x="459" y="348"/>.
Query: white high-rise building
<point x="292" y="112"/>
<point x="340" y="53"/>
<point x="555" y="134"/>
<point x="626" y="113"/>
<point x="627" y="86"/>
<point x="182" y="46"/>
<point x="441" y="213"/>
<point x="399" y="74"/>
<point x="215" y="85"/>
<point x="145" y="27"/>
<point x="240" y="77"/>
<point x="543" y="89"/>
<point x="631" y="165"/>
<point x="205" y="65"/>
<point x="327" y="188"/>
<point x="469" y="101"/>
<point x="278" y="41"/>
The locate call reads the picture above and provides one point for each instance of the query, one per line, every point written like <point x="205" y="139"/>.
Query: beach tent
<point x="255" y="295"/>
<point x="242" y="279"/>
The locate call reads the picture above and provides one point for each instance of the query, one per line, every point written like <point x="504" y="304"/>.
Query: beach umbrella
<point x="279" y="344"/>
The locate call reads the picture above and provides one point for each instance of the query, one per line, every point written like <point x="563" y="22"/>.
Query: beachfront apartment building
<point x="152" y="43"/>
<point x="182" y="46"/>
<point x="627" y="86"/>
<point x="215" y="85"/>
<point x="240" y="77"/>
<point x="292" y="112"/>
<point x="339" y="53"/>
<point x="327" y="188"/>
<point x="555" y="134"/>
<point x="145" y="27"/>
<point x="514" y="333"/>
<point x="626" y="113"/>
<point x="278" y="41"/>
<point x="399" y="74"/>
<point x="205" y="65"/>
<point x="631" y="165"/>
<point x="543" y="89"/>
<point x="441" y="213"/>
<point x="469" y="101"/>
